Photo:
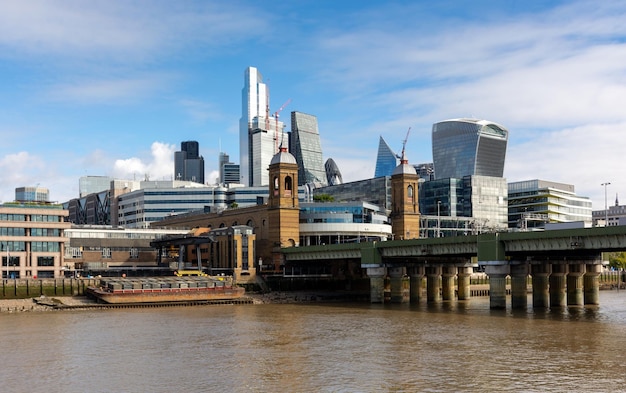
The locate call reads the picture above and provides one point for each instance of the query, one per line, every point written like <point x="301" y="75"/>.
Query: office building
<point x="93" y="184"/>
<point x="535" y="203"/>
<point x="612" y="216"/>
<point x="386" y="160"/>
<point x="260" y="134"/>
<point x="32" y="194"/>
<point x="229" y="172"/>
<point x="305" y="145"/>
<point x="468" y="147"/>
<point x="333" y="175"/>
<point x="188" y="163"/>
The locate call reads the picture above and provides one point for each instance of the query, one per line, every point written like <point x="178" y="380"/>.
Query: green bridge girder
<point x="574" y="245"/>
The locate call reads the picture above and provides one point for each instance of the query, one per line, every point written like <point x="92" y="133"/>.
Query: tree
<point x="323" y="198"/>
<point x="617" y="260"/>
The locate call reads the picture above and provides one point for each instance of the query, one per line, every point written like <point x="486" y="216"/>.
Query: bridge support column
<point x="558" y="281"/>
<point x="519" y="287"/>
<point x="377" y="283"/>
<point x="497" y="285"/>
<point x="398" y="290"/>
<point x="575" y="294"/>
<point x="433" y="284"/>
<point x="417" y="283"/>
<point x="592" y="284"/>
<point x="540" y="274"/>
<point x="463" y="281"/>
<point x="447" y="282"/>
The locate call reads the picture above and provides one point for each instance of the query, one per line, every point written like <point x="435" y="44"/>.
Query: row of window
<point x="77" y="252"/>
<point x="15" y="261"/>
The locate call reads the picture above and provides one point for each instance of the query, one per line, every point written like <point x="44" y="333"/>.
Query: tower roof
<point x="404" y="169"/>
<point x="283" y="157"/>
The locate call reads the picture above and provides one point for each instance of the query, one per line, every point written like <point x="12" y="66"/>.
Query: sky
<point x="111" y="88"/>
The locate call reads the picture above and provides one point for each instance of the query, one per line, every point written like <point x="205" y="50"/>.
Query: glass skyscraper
<point x="306" y="147"/>
<point x="259" y="134"/>
<point x="386" y="160"/>
<point x="468" y="147"/>
<point x="188" y="163"/>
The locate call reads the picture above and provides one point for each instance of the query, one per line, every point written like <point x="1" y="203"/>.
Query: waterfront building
<point x="188" y="163"/>
<point x="91" y="209"/>
<point x="305" y="145"/>
<point x="260" y="134"/>
<point x="342" y="222"/>
<point x="613" y="216"/>
<point x="376" y="191"/>
<point x="333" y="175"/>
<point x="468" y="147"/>
<point x="229" y="172"/>
<point x="32" y="194"/>
<point x="32" y="239"/>
<point x="93" y="184"/>
<point x="386" y="159"/>
<point x="534" y="203"/>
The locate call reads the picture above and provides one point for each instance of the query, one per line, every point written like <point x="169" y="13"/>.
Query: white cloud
<point x="159" y="166"/>
<point x="16" y="170"/>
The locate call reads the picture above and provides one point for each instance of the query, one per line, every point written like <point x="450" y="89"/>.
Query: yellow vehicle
<point x="186" y="273"/>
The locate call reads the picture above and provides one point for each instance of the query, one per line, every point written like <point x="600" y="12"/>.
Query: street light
<point x="606" y="207"/>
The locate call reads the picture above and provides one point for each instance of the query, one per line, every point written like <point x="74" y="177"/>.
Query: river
<point x="446" y="347"/>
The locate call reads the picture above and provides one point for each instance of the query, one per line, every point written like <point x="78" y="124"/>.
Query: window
<point x="45" y="261"/>
<point x="106" y="252"/>
<point x="134" y="253"/>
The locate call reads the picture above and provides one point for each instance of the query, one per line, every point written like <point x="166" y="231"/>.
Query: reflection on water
<point x="450" y="346"/>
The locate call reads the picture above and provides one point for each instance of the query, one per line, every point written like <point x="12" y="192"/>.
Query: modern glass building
<point x="188" y="163"/>
<point x="306" y="147"/>
<point x="386" y="160"/>
<point x="32" y="194"/>
<point x="260" y="134"/>
<point x="92" y="184"/>
<point x="533" y="203"/>
<point x="229" y="172"/>
<point x="468" y="147"/>
<point x="333" y="175"/>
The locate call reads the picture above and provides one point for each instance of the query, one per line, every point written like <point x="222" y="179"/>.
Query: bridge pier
<point x="592" y="284"/>
<point x="540" y="274"/>
<point x="519" y="287"/>
<point x="464" y="274"/>
<point x="398" y="289"/>
<point x="433" y="284"/>
<point x="497" y="285"/>
<point x="558" y="280"/>
<point x="447" y="282"/>
<point x="377" y="284"/>
<point x="416" y="274"/>
<point x="575" y="295"/>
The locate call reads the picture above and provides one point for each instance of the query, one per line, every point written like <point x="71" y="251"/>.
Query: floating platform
<point x="164" y="289"/>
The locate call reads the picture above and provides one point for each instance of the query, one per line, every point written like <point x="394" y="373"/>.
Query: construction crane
<point x="276" y="115"/>
<point x="401" y="156"/>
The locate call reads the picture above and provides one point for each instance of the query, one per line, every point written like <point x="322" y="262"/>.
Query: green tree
<point x="617" y="260"/>
<point x="323" y="198"/>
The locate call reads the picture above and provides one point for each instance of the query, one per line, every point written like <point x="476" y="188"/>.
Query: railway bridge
<point x="564" y="265"/>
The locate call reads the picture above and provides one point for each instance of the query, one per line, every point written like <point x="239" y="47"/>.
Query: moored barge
<point x="165" y="289"/>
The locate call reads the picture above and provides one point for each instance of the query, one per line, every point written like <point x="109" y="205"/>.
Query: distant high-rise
<point x="468" y="147"/>
<point x="92" y="184"/>
<point x="386" y="160"/>
<point x="229" y="172"/>
<point x="188" y="163"/>
<point x="31" y="194"/>
<point x="306" y="147"/>
<point x="259" y="133"/>
<point x="333" y="176"/>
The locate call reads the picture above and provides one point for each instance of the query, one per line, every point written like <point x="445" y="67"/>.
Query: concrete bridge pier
<point x="540" y="274"/>
<point x="497" y="285"/>
<point x="377" y="284"/>
<point x="448" y="273"/>
<point x="463" y="278"/>
<point x="575" y="294"/>
<point x="558" y="282"/>
<point x="592" y="284"/>
<point x="416" y="274"/>
<point x="396" y="275"/>
<point x="433" y="284"/>
<point x="519" y="288"/>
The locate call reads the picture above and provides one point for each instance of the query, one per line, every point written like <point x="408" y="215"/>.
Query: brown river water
<point x="312" y="347"/>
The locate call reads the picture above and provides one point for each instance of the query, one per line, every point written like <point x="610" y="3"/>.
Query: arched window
<point x="288" y="186"/>
<point x="276" y="186"/>
<point x="409" y="193"/>
<point x="250" y="223"/>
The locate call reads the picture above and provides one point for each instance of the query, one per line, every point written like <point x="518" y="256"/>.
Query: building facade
<point x="93" y="184"/>
<point x="229" y="171"/>
<point x="534" y="203"/>
<point x="612" y="216"/>
<point x="32" y="239"/>
<point x="333" y="175"/>
<point x="386" y="159"/>
<point x="32" y="194"/>
<point x="468" y="147"/>
<point x="306" y="147"/>
<point x="188" y="163"/>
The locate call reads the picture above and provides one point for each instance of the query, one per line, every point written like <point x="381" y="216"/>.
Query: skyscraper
<point x="188" y="163"/>
<point x="229" y="172"/>
<point x="306" y="147"/>
<point x="333" y="175"/>
<point x="386" y="160"/>
<point x="259" y="133"/>
<point x="468" y="147"/>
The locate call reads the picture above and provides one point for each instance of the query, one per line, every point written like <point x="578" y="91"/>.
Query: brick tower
<point x="405" y="216"/>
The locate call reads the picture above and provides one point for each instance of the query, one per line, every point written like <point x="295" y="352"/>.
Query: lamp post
<point x="606" y="207"/>
<point x="438" y="218"/>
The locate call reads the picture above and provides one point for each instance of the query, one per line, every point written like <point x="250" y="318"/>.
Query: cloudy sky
<point x="113" y="87"/>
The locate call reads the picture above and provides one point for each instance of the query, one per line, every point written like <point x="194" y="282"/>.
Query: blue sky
<point x="113" y="87"/>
